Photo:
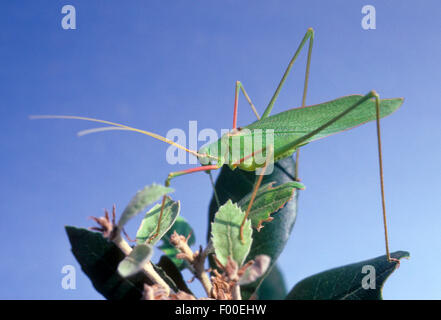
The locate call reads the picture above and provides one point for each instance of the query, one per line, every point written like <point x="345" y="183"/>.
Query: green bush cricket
<point x="290" y="130"/>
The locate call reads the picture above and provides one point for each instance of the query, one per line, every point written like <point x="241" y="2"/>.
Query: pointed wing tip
<point x="401" y="99"/>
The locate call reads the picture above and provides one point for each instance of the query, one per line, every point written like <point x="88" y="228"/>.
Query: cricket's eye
<point x="204" y="156"/>
<point x="203" y="152"/>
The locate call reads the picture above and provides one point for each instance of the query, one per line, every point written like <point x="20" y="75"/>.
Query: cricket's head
<point x="223" y="150"/>
<point x="212" y="153"/>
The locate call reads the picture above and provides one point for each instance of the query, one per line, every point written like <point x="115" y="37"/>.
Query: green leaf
<point x="142" y="199"/>
<point x="134" y="262"/>
<point x="99" y="259"/>
<point x="272" y="238"/>
<point x="150" y="222"/>
<point x="346" y="283"/>
<point x="273" y="287"/>
<point x="226" y="234"/>
<point x="182" y="227"/>
<point x="267" y="201"/>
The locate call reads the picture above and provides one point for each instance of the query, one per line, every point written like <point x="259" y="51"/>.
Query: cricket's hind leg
<point x="269" y="158"/>
<point x="371" y="95"/>
<point x="308" y="36"/>
<point x="380" y="162"/>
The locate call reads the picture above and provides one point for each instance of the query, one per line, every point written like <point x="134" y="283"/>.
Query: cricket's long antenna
<point x="380" y="160"/>
<point x="95" y="130"/>
<point x="116" y="126"/>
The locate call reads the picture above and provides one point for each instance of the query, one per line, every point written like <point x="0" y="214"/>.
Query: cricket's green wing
<point x="292" y="124"/>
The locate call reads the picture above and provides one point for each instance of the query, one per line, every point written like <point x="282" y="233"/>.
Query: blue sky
<point x="156" y="66"/>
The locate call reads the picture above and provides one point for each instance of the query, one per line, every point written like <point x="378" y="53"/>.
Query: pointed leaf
<point x="226" y="234"/>
<point x="135" y="261"/>
<point x="182" y="227"/>
<point x="142" y="199"/>
<point x="348" y="282"/>
<point x="150" y="222"/>
<point x="267" y="201"/>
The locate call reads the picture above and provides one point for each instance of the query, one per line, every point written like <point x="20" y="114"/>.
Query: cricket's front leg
<point x="170" y="176"/>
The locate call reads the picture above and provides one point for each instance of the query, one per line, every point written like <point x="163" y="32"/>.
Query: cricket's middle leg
<point x="239" y="86"/>
<point x="269" y="158"/>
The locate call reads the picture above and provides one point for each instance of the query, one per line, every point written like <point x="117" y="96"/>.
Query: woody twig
<point x="195" y="259"/>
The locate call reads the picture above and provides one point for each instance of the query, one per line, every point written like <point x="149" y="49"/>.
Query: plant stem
<point x="196" y="260"/>
<point x="236" y="292"/>
<point x="206" y="283"/>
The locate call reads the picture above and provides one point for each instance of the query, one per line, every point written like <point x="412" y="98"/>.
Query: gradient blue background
<point x="157" y="65"/>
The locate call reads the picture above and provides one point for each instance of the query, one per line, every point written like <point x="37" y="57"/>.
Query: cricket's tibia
<point x="172" y="175"/>
<point x="380" y="163"/>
